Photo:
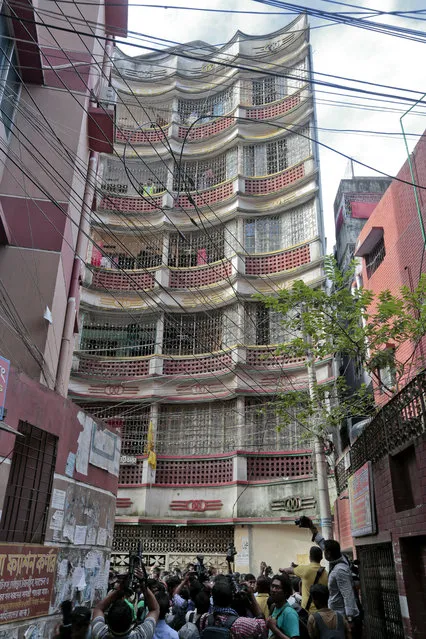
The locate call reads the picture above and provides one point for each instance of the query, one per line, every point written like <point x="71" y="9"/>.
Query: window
<point x="404" y="476"/>
<point x="276" y="156"/>
<point x="186" y="334"/>
<point x="203" y="174"/>
<point x="267" y="90"/>
<point x="264" y="326"/>
<point x="262" y="234"/>
<point x="116" y="340"/>
<point x="131" y="419"/>
<point x="262" y="428"/>
<point x="375" y="258"/>
<point x="209" y="107"/>
<point x="197" y="248"/>
<point x="197" y="429"/>
<point x="9" y="80"/>
<point x="29" y="487"/>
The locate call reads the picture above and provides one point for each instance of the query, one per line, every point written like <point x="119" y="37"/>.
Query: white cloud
<point x="337" y="50"/>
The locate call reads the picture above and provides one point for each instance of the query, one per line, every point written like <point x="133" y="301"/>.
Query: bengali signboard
<point x="361" y="502"/>
<point x="4" y="374"/>
<point x="27" y="578"/>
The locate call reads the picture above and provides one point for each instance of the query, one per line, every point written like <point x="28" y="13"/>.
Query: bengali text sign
<point x="361" y="502"/>
<point x="27" y="576"/>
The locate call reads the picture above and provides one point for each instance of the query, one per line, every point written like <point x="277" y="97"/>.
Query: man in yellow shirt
<point x="308" y="574"/>
<point x="263" y="588"/>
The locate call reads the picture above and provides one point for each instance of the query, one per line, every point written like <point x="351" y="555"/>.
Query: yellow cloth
<point x="307" y="574"/>
<point x="152" y="456"/>
<point x="262" y="598"/>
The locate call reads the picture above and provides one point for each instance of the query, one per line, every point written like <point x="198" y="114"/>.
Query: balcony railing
<point x="109" y="279"/>
<point x="264" y="357"/>
<point x="206" y="197"/>
<point x="197" y="276"/>
<point x="111" y="368"/>
<point x="197" y="365"/>
<point x="143" y="136"/>
<point x="268" y="111"/>
<point x="399" y="422"/>
<point x="278" y="262"/>
<point x="270" y="184"/>
<point x="214" y="470"/>
<point x="206" y="130"/>
<point x="131" y="204"/>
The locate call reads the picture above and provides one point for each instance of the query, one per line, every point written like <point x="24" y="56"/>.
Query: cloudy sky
<point x="339" y="51"/>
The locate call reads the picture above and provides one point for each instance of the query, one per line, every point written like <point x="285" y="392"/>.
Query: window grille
<point x="145" y="179"/>
<point x="299" y="225"/>
<point x="264" y="326"/>
<point x="139" y="252"/>
<point x="29" y="488"/>
<point x="192" y="334"/>
<point x="203" y="174"/>
<point x="9" y="80"/>
<point x="197" y="248"/>
<point x="262" y="428"/>
<point x="267" y="90"/>
<point x="263" y="234"/>
<point x="158" y="539"/>
<point x="375" y="258"/>
<point x="197" y="429"/>
<point x="299" y="76"/>
<point x="110" y="339"/>
<point x="210" y="107"/>
<point x="133" y="116"/>
<point x="131" y="419"/>
<point x="276" y="156"/>
<point x="273" y="157"/>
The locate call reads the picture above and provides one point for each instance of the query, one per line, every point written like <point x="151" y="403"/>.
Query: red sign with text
<point x="27" y="577"/>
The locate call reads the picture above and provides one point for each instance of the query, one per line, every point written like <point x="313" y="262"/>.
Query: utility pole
<point x="320" y="459"/>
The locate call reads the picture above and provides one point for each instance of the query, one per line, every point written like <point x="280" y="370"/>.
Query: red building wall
<point x="405" y="257"/>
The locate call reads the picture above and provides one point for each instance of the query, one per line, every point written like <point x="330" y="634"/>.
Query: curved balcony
<point x="214" y="194"/>
<point x="111" y="368"/>
<point x="134" y="280"/>
<point x="196" y="365"/>
<point x="275" y="109"/>
<point x="141" y="136"/>
<point x="278" y="262"/>
<point x="131" y="204"/>
<point x="267" y="184"/>
<point x="264" y="357"/>
<point x="199" y="276"/>
<point x="206" y="130"/>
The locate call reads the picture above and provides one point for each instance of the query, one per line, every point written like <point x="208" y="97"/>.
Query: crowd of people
<point x="301" y="601"/>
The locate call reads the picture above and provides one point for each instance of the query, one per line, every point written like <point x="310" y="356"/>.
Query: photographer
<point x="340" y="582"/>
<point x="224" y="614"/>
<point x="120" y="618"/>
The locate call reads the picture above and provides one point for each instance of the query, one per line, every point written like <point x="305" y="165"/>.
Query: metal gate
<point x="379" y="592"/>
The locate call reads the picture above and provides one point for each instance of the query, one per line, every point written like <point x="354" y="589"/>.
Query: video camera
<point x="303" y="522"/>
<point x="135" y="561"/>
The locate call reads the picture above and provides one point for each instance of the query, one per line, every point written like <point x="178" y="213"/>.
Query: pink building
<point x="58" y="466"/>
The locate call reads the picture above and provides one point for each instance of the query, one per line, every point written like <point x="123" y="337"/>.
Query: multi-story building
<point x="210" y="196"/>
<point x="383" y="471"/>
<point x="58" y="466"/>
<point x="355" y="200"/>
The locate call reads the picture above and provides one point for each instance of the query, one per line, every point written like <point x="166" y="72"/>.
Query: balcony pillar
<point x="239" y="468"/>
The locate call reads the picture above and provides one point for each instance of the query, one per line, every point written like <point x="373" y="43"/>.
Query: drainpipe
<point x="64" y="364"/>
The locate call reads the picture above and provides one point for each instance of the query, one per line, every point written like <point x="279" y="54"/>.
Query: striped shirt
<point x="145" y="630"/>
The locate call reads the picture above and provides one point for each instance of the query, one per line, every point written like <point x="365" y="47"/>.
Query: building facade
<point x="58" y="466"/>
<point x="380" y="511"/>
<point x="210" y="197"/>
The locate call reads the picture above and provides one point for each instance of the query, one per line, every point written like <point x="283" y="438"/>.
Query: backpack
<point x="189" y="631"/>
<point x="330" y="633"/>
<point x="217" y="629"/>
<point x="178" y="616"/>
